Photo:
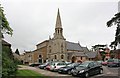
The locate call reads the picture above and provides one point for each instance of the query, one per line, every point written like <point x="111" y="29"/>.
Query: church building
<point x="58" y="48"/>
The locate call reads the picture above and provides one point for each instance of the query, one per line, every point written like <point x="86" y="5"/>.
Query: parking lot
<point x="107" y="71"/>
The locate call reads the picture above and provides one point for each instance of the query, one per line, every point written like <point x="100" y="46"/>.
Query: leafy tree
<point x="17" y="52"/>
<point x="103" y="54"/>
<point x="112" y="54"/>
<point x="4" y="25"/>
<point x="115" y="21"/>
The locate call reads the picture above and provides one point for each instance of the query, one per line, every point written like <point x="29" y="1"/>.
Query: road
<point x="107" y="71"/>
<point x="111" y="71"/>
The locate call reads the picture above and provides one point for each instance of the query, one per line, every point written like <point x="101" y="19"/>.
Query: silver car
<point x="56" y="65"/>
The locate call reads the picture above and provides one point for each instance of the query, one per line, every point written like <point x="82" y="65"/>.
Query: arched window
<point x="62" y="56"/>
<point x="55" y="57"/>
<point x="40" y="56"/>
<point x="50" y="51"/>
<point x="62" y="48"/>
<point x="81" y="58"/>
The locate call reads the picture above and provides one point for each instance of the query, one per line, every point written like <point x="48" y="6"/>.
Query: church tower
<point x="58" y="28"/>
<point x="56" y="47"/>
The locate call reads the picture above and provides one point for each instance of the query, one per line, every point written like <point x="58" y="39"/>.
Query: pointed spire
<point x="58" y="20"/>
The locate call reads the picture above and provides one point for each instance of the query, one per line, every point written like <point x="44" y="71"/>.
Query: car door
<point x="96" y="68"/>
<point x="61" y="64"/>
<point x="91" y="68"/>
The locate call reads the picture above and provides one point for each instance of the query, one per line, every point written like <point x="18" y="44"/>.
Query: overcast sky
<point x="33" y="21"/>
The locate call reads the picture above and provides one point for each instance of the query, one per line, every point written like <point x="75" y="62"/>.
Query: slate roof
<point x="85" y="49"/>
<point x="73" y="46"/>
<point x="79" y="54"/>
<point x="86" y="54"/>
<point x="91" y="54"/>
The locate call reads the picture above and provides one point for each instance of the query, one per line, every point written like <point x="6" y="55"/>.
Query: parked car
<point x="104" y="63"/>
<point x="100" y="61"/>
<point x="87" y="69"/>
<point x="56" y="65"/>
<point x="48" y="67"/>
<point x="67" y="69"/>
<point x="67" y="63"/>
<point x="113" y="63"/>
<point x="42" y="66"/>
<point x="33" y="65"/>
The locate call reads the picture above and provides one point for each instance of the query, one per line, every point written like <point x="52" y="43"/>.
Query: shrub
<point x="9" y="66"/>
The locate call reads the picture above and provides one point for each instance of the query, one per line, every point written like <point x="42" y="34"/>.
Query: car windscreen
<point x="61" y="63"/>
<point x="84" y="64"/>
<point x="116" y="60"/>
<point x="72" y="65"/>
<point x="111" y="60"/>
<point x="53" y="64"/>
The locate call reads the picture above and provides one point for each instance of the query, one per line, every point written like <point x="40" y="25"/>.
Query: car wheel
<point x="44" y="68"/>
<point x="74" y="74"/>
<point x="86" y="75"/>
<point x="101" y="71"/>
<point x="69" y="72"/>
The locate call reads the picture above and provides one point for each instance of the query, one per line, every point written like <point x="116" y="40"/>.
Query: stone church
<point x="58" y="48"/>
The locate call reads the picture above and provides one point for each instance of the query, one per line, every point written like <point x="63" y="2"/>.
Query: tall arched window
<point x="62" y="56"/>
<point x="81" y="58"/>
<point x="62" y="48"/>
<point x="50" y="49"/>
<point x="55" y="57"/>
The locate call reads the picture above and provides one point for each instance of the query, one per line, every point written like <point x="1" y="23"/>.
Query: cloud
<point x="34" y="20"/>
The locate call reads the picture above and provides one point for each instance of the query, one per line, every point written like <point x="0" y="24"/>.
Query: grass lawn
<point x="29" y="73"/>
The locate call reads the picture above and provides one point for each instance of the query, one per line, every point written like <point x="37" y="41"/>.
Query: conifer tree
<point x="17" y="52"/>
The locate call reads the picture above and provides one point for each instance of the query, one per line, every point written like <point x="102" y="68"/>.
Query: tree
<point x="17" y="52"/>
<point x="4" y="25"/>
<point x="103" y="54"/>
<point x="115" y="21"/>
<point x="112" y="54"/>
<point x="98" y="47"/>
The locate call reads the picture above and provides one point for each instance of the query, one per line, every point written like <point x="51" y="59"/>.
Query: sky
<point x="33" y="21"/>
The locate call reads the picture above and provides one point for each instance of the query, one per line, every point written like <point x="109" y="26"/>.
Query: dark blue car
<point x="87" y="69"/>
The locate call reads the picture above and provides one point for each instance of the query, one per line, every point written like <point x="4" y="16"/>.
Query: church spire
<point x="58" y="20"/>
<point x="58" y="28"/>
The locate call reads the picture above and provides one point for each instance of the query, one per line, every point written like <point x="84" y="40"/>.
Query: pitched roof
<point x="73" y="46"/>
<point x="91" y="54"/>
<point x="79" y="54"/>
<point x="85" y="49"/>
<point x="42" y="42"/>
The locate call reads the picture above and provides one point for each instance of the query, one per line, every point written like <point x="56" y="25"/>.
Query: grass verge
<point x="29" y="74"/>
